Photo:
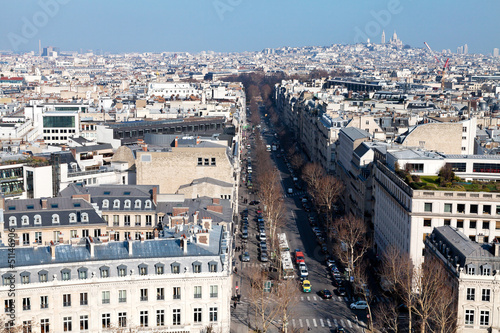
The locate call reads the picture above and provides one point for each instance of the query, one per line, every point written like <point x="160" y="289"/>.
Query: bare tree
<point x="387" y="316"/>
<point x="362" y="288"/>
<point x="351" y="241"/>
<point x="444" y="312"/>
<point x="312" y="174"/>
<point x="287" y="291"/>
<point x="263" y="300"/>
<point x="328" y="190"/>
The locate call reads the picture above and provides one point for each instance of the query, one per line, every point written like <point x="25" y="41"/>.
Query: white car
<point x="290" y="190"/>
<point x="359" y="305"/>
<point x="304" y="273"/>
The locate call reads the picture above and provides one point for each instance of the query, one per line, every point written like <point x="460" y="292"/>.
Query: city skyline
<point x="238" y="25"/>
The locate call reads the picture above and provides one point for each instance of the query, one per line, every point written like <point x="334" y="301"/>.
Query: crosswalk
<point x="323" y="322"/>
<point x="294" y="194"/>
<point x="254" y="264"/>
<point x="314" y="298"/>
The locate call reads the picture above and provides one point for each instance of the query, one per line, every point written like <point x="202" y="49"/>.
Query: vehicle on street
<point x="262" y="236"/>
<point x="290" y="190"/>
<point x="341" y="291"/>
<point x="244" y="234"/>
<point x="299" y="256"/>
<point x="359" y="305"/>
<point x="306" y="286"/>
<point x="245" y="257"/>
<point x="286" y="263"/>
<point x="263" y="256"/>
<point x="339" y="329"/>
<point x="304" y="273"/>
<point x="325" y="294"/>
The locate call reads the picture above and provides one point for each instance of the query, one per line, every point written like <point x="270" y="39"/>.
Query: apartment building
<point x="178" y="283"/>
<point x="472" y="272"/>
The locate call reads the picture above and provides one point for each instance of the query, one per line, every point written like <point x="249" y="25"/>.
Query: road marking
<point x="342" y="322"/>
<point x="308" y="298"/>
<point x="314" y="322"/>
<point x="293" y="323"/>
<point x="300" y="322"/>
<point x="321" y="322"/>
<point x="335" y="321"/>
<point x="340" y="298"/>
<point x="293" y="214"/>
<point x="315" y="298"/>
<point x="350" y="324"/>
<point x="301" y="298"/>
<point x="307" y="323"/>
<point x="329" y="323"/>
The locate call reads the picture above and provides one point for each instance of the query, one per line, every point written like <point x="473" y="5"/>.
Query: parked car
<point x="254" y="202"/>
<point x="359" y="305"/>
<point x="263" y="256"/>
<point x="245" y="257"/>
<point x="306" y="286"/>
<point x="325" y="294"/>
<point x="244" y="234"/>
<point x="341" y="291"/>
<point x="299" y="256"/>
<point x="262" y="236"/>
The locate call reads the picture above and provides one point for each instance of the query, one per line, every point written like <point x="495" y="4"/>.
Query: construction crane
<point x="445" y="65"/>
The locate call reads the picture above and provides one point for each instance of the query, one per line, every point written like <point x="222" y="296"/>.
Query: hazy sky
<point x="244" y="25"/>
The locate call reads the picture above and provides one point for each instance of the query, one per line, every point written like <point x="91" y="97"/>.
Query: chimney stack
<point x="129" y="245"/>
<point x="155" y="195"/>
<point x="90" y="246"/>
<point x="497" y="249"/>
<point x="52" y="250"/>
<point x="198" y="140"/>
<point x="184" y="244"/>
<point x="43" y="202"/>
<point x="176" y="141"/>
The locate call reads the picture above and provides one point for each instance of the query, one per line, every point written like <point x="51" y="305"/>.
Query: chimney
<point x="206" y="223"/>
<point x="195" y="217"/>
<point x="85" y="197"/>
<point x="155" y="195"/>
<point x="143" y="237"/>
<point x="480" y="239"/>
<point x="52" y="250"/>
<point x="184" y="244"/>
<point x="43" y="202"/>
<point x="129" y="245"/>
<point x="176" y="141"/>
<point x="144" y="147"/>
<point x="61" y="239"/>
<point x="2" y="202"/>
<point x="198" y="140"/>
<point x="202" y="238"/>
<point x="156" y="233"/>
<point x="90" y="246"/>
<point x="497" y="249"/>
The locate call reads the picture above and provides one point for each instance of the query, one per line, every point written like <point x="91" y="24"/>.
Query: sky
<point x="118" y="26"/>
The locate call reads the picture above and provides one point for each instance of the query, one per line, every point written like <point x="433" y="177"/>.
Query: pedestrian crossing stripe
<point x="322" y="322"/>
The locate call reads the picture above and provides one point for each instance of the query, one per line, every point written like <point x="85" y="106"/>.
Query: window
<point x="105" y="203"/>
<point x="9" y="305"/>
<point x="176" y="317"/>
<point x="428" y="207"/>
<point x="25" y="220"/>
<point x="197" y="292"/>
<point x="27" y="327"/>
<point x="176" y="268"/>
<point x="214" y="291"/>
<point x="160" y="294"/>
<point x="72" y="218"/>
<point x="177" y="292"/>
<point x="127" y="204"/>
<point x="43" y="276"/>
<point x="84" y="298"/>
<point x="461" y="208"/>
<point x="447" y="207"/>
<point x="486" y="293"/>
<point x="122" y="296"/>
<point x="85" y="232"/>
<point x="38" y="237"/>
<point x="498" y="210"/>
<point x="122" y="319"/>
<point x="197" y="315"/>
<point x="67" y="324"/>
<point x="471" y="294"/>
<point x="38" y="219"/>
<point x="138" y="220"/>
<point x="474" y="209"/>
<point x="116" y="220"/>
<point x="147" y="204"/>
<point x="144" y="295"/>
<point x="427" y="222"/>
<point x="472" y="224"/>
<point x="159" y="269"/>
<point x="149" y="220"/>
<point x="105" y="297"/>
<point x="447" y="222"/>
<point x="67" y="300"/>
<point x="484" y="318"/>
<point x="44" y="325"/>
<point x="116" y="203"/>
<point x="212" y="161"/>
<point x="196" y="268"/>
<point x="206" y="161"/>
<point x="486" y="269"/>
<point x="126" y="235"/>
<point x="213" y="314"/>
<point x="55" y="218"/>
<point x="12" y="221"/>
<point x="106" y="320"/>
<point x="44" y="302"/>
<point x="73" y="234"/>
<point x="200" y="161"/>
<point x="25" y="277"/>
<point x="160" y="317"/>
<point x="26" y="303"/>
<point x="104" y="272"/>
<point x="143" y="269"/>
<point x="137" y="204"/>
<point x="126" y="220"/>
<point x="486" y="224"/>
<point x="122" y="270"/>
<point x="143" y="318"/>
<point x="487" y="209"/>
<point x="460" y="223"/>
<point x="82" y="273"/>
<point x="66" y="275"/>
<point x="471" y="269"/>
<point x="84" y="323"/>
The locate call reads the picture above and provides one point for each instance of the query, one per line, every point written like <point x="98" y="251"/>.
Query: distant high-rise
<point x="382" y="40"/>
<point x="466" y="49"/>
<point x="460" y="50"/>
<point x="50" y="51"/>
<point x="495" y="52"/>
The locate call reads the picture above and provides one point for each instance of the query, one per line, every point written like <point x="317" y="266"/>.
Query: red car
<point x="299" y="257"/>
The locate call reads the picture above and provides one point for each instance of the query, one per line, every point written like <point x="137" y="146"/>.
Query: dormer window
<point x="486" y="270"/>
<point x="197" y="267"/>
<point x="105" y="203"/>
<point x="137" y="204"/>
<point x="116" y="203"/>
<point x="38" y="219"/>
<point x="72" y="218"/>
<point x="147" y="204"/>
<point x="85" y="217"/>
<point x="55" y="218"/>
<point x="471" y="269"/>
<point x="12" y="221"/>
<point x="104" y="271"/>
<point x="127" y="204"/>
<point x="25" y="220"/>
